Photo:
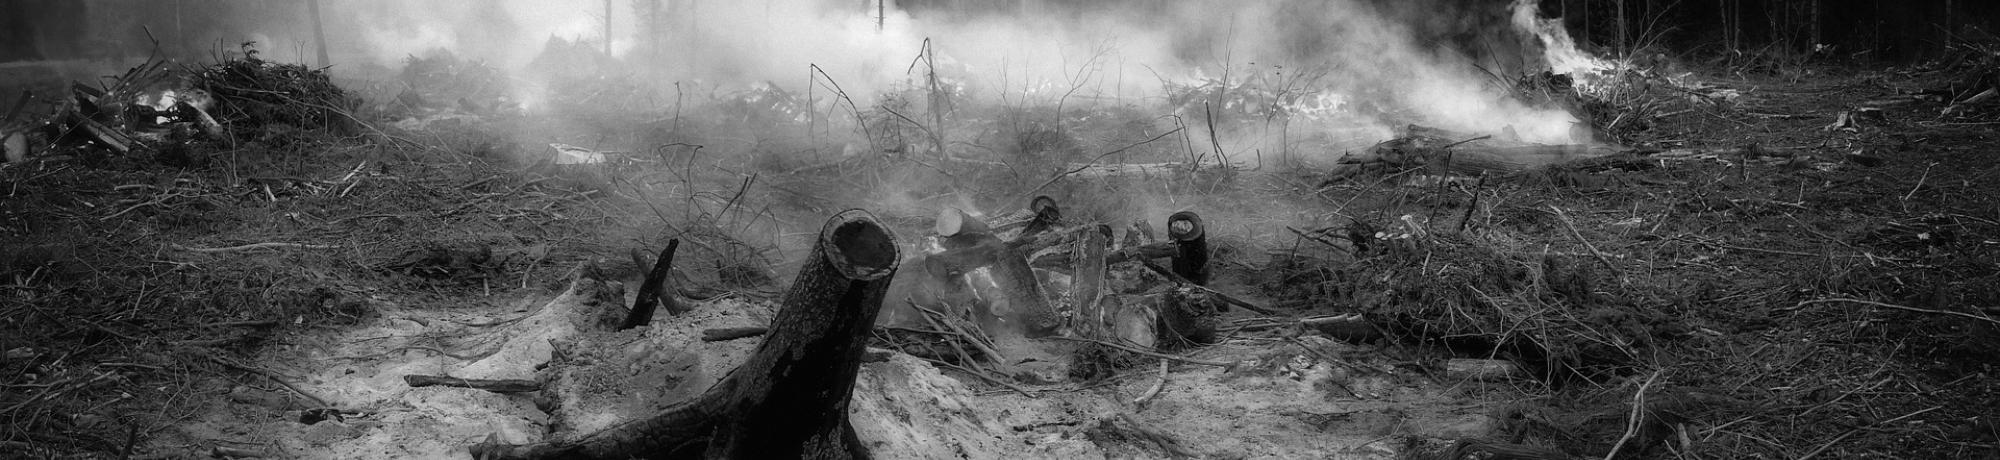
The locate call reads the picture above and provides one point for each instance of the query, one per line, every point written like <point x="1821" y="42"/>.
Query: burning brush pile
<point x="176" y="111"/>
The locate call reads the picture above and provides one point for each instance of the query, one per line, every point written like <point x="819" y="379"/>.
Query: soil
<point x="1751" y="285"/>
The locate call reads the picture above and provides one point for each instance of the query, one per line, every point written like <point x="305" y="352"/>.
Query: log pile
<point x="1077" y="261"/>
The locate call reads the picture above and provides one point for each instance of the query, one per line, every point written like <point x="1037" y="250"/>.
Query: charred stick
<point x="652" y="292"/>
<point x="732" y="333"/>
<point x="1226" y="298"/>
<point x="496" y="386"/>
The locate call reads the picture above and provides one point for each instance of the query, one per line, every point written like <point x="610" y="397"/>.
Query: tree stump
<point x="790" y="399"/>
<point x="1191" y="239"/>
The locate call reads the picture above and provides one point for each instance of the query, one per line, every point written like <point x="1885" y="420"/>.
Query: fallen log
<point x="1350" y="327"/>
<point x="790" y="399"/>
<point x="732" y="333"/>
<point x="496" y="386"/>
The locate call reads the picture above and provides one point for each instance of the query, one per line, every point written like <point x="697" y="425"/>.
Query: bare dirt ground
<point x="1750" y="284"/>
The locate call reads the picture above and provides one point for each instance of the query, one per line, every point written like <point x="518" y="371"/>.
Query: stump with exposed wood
<point x="790" y="399"/>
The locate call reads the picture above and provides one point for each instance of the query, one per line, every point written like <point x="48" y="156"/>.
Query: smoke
<point x="1401" y="61"/>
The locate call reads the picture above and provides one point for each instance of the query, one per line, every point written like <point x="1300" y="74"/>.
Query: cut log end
<point x="950" y="221"/>
<point x="1185" y="226"/>
<point x="1047" y="215"/>
<point x="859" y="247"/>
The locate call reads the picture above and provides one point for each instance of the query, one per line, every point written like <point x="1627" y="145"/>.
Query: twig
<point x="1143" y="352"/>
<point x="1851" y="431"/>
<point x="268" y="375"/>
<point x="1899" y="307"/>
<point x="1183" y="282"/>
<point x="262" y="323"/>
<point x="1093" y="160"/>
<point x="1316" y="239"/>
<point x="255" y="246"/>
<point x="1586" y="242"/>
<point x="1455" y="144"/>
<point x="1156" y="390"/>
<point x="1920" y="182"/>
<point x="941" y="320"/>
<point x="1638" y="414"/>
<point x="988" y="378"/>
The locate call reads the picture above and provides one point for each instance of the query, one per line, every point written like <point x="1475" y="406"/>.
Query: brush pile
<point x="1554" y="313"/>
<point x="172" y="111"/>
<point x="256" y="94"/>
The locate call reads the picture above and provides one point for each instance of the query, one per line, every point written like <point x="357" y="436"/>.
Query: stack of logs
<point x="1094" y="306"/>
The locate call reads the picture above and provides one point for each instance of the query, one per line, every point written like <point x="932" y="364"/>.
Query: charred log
<point x="653" y="292"/>
<point x="1047" y="215"/>
<point x="732" y="333"/>
<point x="1187" y="316"/>
<point x="790" y="399"/>
<point x="496" y="386"/>
<point x="1225" y="298"/>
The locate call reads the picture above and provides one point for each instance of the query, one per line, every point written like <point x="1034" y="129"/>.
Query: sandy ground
<point x="1280" y="400"/>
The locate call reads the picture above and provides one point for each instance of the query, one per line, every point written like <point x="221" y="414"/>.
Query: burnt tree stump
<point x="790" y="399"/>
<point x="1191" y="238"/>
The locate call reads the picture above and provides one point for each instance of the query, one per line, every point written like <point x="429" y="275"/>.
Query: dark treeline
<point x="1866" y="30"/>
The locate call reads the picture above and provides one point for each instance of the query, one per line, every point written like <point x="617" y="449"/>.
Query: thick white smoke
<point x="1121" y="50"/>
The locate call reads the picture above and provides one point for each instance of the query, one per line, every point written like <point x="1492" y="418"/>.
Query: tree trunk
<point x="319" y="34"/>
<point x="790" y="399"/>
